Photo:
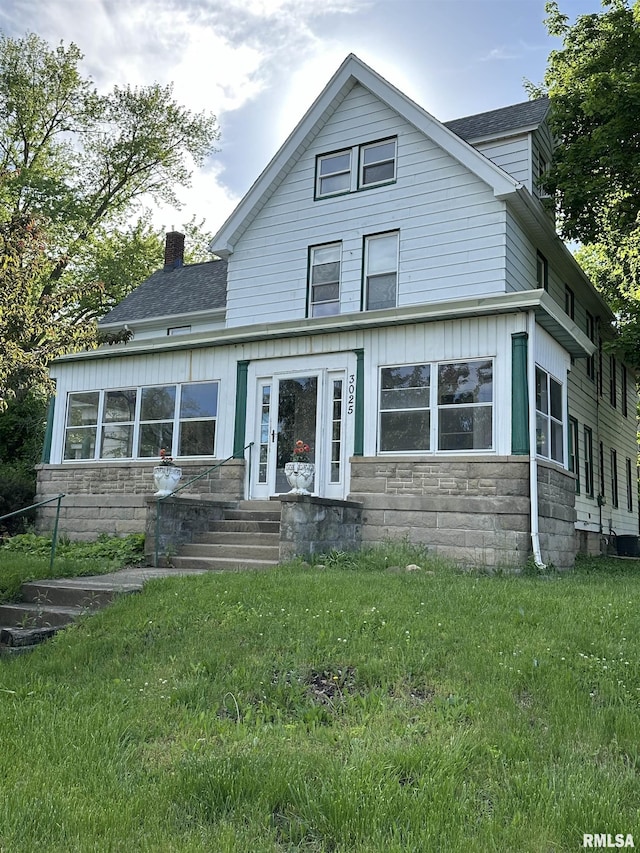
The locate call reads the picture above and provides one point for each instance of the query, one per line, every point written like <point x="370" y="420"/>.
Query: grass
<point x="26" y="557"/>
<point x="349" y="708"/>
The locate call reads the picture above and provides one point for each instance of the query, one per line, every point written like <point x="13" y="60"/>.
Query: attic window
<point x="178" y="330"/>
<point x="359" y="167"/>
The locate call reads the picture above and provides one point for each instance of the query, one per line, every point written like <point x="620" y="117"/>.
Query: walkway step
<point x="252" y="515"/>
<point x="70" y="593"/>
<point x="36" y="616"/>
<point x="234" y="537"/>
<point x="233" y="551"/>
<point x="221" y="564"/>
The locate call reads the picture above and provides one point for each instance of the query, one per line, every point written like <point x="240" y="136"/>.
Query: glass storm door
<point x="287" y="412"/>
<point x="311" y="408"/>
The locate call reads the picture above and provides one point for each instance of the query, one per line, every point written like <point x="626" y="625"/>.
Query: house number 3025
<point x="351" y="393"/>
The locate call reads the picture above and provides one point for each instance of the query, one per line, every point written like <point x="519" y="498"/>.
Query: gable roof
<point x="185" y="290"/>
<point x="517" y="118"/>
<point x="352" y="72"/>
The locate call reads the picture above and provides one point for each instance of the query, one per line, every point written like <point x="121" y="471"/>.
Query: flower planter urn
<point x="300" y="476"/>
<point x="166" y="479"/>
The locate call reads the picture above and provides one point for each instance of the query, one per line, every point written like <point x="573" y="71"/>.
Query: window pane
<point x="119" y="406"/>
<point x="382" y="254"/>
<point x="325" y="309"/>
<point x="542" y="435"/>
<point x="158" y="403"/>
<point x="83" y="409"/>
<point x="377" y="173"/>
<point x="405" y="398"/>
<point x="325" y="292"/>
<point x="542" y="403"/>
<point x="80" y="443"/>
<point x="556" y="399"/>
<point x="557" y="443"/>
<point x="411" y="376"/>
<point x="117" y="442"/>
<point x="335" y="163"/>
<point x="376" y="153"/>
<point x="197" y="438"/>
<point x="381" y="291"/>
<point x="154" y="437"/>
<point x="465" y="382"/>
<point x="334" y="184"/>
<point x="199" y="400"/>
<point x="465" y="428"/>
<point x="323" y="273"/>
<point x="326" y="254"/>
<point x="404" y="431"/>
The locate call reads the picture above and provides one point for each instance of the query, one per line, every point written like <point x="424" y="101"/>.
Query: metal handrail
<point x="236" y="455"/>
<point x="54" y="535"/>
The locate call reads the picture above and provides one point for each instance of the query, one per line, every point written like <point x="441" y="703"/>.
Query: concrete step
<point x="233" y="551"/>
<point x="69" y="593"/>
<point x="37" y="616"/>
<point x="252" y="515"/>
<point x="239" y="537"/>
<point x="221" y="564"/>
<point x="246" y="525"/>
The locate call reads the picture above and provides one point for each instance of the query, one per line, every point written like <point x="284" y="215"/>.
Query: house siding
<point x="451" y="227"/>
<point x="512" y="154"/>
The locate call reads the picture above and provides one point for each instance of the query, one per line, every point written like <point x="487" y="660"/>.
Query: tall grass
<point x="350" y="708"/>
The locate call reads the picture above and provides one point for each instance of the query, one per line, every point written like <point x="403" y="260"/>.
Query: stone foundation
<point x="111" y="497"/>
<point x="312" y="525"/>
<point x="474" y="511"/>
<point x="557" y="515"/>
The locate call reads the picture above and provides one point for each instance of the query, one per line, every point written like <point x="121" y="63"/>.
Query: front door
<point x="305" y="406"/>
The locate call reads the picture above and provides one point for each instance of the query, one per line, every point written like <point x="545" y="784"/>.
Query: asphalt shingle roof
<point x="503" y="120"/>
<point x="195" y="287"/>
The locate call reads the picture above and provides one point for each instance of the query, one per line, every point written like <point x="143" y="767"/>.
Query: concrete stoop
<point x="248" y="537"/>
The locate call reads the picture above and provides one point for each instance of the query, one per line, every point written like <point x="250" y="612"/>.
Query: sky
<point x="259" y="64"/>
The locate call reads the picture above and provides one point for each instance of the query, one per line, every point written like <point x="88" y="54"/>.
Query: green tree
<point x="593" y="83"/>
<point x="74" y="167"/>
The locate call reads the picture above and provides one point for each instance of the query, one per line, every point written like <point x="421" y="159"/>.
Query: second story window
<point x="324" y="280"/>
<point x="623" y="389"/>
<point x="569" y="302"/>
<point x="591" y="334"/>
<point x="613" y="381"/>
<point x="381" y="271"/>
<point x="542" y="272"/>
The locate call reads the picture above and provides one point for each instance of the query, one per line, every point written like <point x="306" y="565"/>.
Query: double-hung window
<point x="453" y="413"/>
<point x="613" y="381"/>
<point x="588" y="461"/>
<point x="377" y="163"/>
<point x="549" y="422"/>
<point x="591" y="334"/>
<point x="369" y="164"/>
<point x="324" y="280"/>
<point x="574" y="451"/>
<point x="542" y="272"/>
<point x="614" y="477"/>
<point x="629" y="485"/>
<point x="334" y="173"/>
<point x="380" y="271"/>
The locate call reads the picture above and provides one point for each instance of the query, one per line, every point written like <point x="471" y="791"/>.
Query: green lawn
<point x="349" y="708"/>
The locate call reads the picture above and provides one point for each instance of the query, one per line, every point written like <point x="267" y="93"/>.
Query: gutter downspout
<point x="533" y="461"/>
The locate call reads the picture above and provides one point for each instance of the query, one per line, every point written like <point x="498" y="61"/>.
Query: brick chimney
<point x="173" y="250"/>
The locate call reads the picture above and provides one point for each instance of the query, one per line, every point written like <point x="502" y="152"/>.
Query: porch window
<point x="198" y="411"/>
<point x="381" y="271"/>
<point x="117" y="424"/>
<point x="465" y="405"/>
<point x="404" y="408"/>
<point x="130" y="423"/>
<point x="82" y="425"/>
<point x="324" y="280"/>
<point x="157" y="414"/>
<point x="549" y="421"/>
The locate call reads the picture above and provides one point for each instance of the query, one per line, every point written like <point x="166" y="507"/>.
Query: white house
<point x="391" y="291"/>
